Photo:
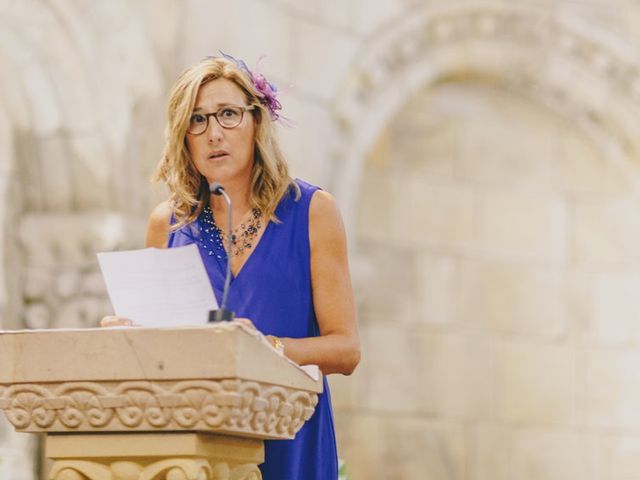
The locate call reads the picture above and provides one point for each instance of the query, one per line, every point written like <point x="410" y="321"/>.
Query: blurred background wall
<point x="486" y="157"/>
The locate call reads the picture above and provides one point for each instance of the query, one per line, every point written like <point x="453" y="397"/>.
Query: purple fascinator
<point x="267" y="90"/>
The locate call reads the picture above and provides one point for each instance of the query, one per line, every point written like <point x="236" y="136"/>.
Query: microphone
<point x="223" y="314"/>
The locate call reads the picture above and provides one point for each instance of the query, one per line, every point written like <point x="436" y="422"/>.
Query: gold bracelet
<point x="277" y="343"/>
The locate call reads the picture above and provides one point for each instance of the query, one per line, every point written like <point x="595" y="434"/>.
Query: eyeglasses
<point x="227" y="117"/>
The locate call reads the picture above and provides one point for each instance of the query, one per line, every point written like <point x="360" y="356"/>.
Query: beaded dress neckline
<point x="211" y="238"/>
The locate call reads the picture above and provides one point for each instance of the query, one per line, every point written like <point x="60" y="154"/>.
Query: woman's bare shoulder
<point x="158" y="225"/>
<point x="325" y="221"/>
<point x="323" y="204"/>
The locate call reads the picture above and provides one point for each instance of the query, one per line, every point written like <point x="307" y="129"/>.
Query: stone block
<point x="584" y="172"/>
<point x="390" y="296"/>
<point x="246" y="29"/>
<point x="321" y="58"/>
<point x="76" y="93"/>
<point x="536" y="383"/>
<point x="396" y="374"/>
<point x="380" y="152"/>
<point x="336" y="13"/>
<point x="162" y="28"/>
<point x="525" y="157"/>
<point x="422" y="140"/>
<point x="368" y="16"/>
<point x="489" y="455"/>
<point x="379" y="446"/>
<point x="306" y="145"/>
<point x="513" y="298"/>
<point x="380" y="216"/>
<point x="439" y="287"/>
<point x="464" y="367"/>
<point x="92" y="172"/>
<point x="631" y="21"/>
<point x="552" y="455"/>
<point x="343" y="391"/>
<point x="13" y="106"/>
<point x="606" y="234"/>
<point x="421" y="372"/>
<point x="609" y="16"/>
<point x="437" y="213"/>
<point x="613" y="389"/>
<point x="55" y="174"/>
<point x="616" y="310"/>
<point x="624" y="456"/>
<point x="579" y="301"/>
<point x="42" y="99"/>
<point x="7" y="152"/>
<point x="524" y="225"/>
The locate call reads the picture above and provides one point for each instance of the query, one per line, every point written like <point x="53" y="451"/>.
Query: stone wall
<point x="489" y="328"/>
<point x="495" y="219"/>
<point x="485" y="155"/>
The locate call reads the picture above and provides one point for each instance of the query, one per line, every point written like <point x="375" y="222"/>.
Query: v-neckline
<point x="213" y="243"/>
<point x="234" y="276"/>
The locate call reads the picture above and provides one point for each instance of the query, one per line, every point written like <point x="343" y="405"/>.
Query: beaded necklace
<point x="242" y="238"/>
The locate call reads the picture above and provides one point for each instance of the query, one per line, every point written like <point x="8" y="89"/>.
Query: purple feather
<point x="267" y="90"/>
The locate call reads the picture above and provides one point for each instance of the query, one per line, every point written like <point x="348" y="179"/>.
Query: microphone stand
<point x="223" y="314"/>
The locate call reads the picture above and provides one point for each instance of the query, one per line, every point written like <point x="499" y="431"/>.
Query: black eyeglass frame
<point x="215" y="115"/>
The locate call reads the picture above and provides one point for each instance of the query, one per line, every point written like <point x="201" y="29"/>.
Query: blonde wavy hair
<point x="189" y="190"/>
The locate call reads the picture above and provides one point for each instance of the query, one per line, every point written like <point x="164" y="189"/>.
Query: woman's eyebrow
<point x="218" y="106"/>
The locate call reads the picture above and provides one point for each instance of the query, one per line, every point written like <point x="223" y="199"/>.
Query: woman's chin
<point x="220" y="176"/>
<point x="225" y="172"/>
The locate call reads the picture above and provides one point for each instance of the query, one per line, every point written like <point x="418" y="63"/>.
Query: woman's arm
<point x="337" y="349"/>
<point x="158" y="226"/>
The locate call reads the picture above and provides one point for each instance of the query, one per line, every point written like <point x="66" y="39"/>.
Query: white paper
<point x="312" y="370"/>
<point x="159" y="287"/>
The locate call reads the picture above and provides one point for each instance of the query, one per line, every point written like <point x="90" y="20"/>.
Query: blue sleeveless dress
<point x="273" y="290"/>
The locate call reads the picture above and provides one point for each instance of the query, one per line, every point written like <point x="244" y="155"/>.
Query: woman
<point x="288" y="249"/>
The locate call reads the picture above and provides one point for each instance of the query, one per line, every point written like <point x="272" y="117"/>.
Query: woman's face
<point x="220" y="154"/>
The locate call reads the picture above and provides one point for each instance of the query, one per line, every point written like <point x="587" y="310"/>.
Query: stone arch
<point x="578" y="72"/>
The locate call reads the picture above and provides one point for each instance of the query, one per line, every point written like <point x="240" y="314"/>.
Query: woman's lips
<point x="218" y="156"/>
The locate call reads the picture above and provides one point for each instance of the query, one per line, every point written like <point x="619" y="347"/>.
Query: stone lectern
<point x="191" y="403"/>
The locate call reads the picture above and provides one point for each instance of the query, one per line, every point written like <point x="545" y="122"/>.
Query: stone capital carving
<point x="171" y="469"/>
<point x="144" y="457"/>
<point x="226" y="406"/>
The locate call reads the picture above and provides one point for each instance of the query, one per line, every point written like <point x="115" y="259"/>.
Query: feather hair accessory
<point x="267" y="90"/>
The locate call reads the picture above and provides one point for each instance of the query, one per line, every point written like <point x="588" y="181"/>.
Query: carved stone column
<point x="153" y="456"/>
<point x="153" y="404"/>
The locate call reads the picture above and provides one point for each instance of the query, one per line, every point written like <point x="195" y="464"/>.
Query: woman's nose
<point x="214" y="130"/>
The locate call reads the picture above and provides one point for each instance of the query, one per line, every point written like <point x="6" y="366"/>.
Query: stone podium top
<point x="213" y="351"/>
<point x="221" y="377"/>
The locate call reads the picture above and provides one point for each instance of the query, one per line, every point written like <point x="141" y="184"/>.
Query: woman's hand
<point x="113" y="321"/>
<point x="274" y="341"/>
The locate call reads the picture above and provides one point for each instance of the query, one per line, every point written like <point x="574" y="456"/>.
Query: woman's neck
<point x="240" y="195"/>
